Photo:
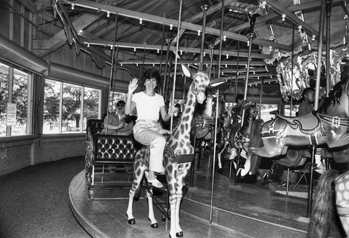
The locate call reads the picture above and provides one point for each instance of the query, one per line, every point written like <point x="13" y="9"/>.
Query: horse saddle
<point x="307" y="124"/>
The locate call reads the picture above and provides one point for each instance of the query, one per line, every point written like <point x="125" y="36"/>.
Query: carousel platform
<point x="245" y="210"/>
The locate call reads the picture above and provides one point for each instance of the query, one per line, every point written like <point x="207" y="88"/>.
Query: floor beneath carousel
<point x="243" y="210"/>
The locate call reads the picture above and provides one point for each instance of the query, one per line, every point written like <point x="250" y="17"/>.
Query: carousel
<point x="239" y="71"/>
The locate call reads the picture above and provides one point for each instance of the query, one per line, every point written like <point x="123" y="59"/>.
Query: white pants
<point x="150" y="133"/>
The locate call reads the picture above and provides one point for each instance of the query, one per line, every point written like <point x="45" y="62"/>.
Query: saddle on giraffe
<point x="175" y="171"/>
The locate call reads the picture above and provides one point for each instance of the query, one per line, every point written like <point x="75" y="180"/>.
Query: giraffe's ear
<point x="186" y="71"/>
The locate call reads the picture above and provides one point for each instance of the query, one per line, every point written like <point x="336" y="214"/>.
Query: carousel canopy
<point x="145" y="34"/>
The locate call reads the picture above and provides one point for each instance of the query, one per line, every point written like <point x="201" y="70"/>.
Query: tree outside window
<point x="13" y="89"/>
<point x="67" y="107"/>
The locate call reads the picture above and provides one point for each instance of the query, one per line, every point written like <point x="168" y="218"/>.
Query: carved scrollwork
<point x="303" y="75"/>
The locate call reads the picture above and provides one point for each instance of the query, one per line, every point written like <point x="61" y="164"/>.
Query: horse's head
<point x="199" y="85"/>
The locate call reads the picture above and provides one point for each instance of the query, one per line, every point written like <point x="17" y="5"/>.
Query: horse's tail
<point x="323" y="204"/>
<point x="255" y="141"/>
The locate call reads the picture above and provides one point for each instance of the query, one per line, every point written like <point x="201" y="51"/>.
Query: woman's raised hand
<point x="133" y="85"/>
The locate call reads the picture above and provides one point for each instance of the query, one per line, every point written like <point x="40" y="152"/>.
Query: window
<point x="14" y="109"/>
<point x="67" y="107"/>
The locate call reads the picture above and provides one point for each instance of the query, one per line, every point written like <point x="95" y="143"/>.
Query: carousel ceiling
<point x="145" y="30"/>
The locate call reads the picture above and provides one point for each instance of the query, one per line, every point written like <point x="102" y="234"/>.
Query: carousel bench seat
<point x="109" y="160"/>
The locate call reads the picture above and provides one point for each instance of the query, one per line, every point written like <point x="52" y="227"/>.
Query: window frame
<point x="29" y="109"/>
<point x="60" y="114"/>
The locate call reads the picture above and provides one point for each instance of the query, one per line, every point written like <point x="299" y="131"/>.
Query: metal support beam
<point x="275" y="6"/>
<point x="198" y="16"/>
<point x="172" y="48"/>
<point x="162" y="20"/>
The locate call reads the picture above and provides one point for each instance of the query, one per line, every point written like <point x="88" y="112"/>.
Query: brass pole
<point x="328" y="44"/>
<point x="292" y="73"/>
<point x="316" y="104"/>
<point x="216" y="116"/>
<point x="250" y="37"/>
<point x="162" y="53"/>
<point x="166" y="68"/>
<point x="176" y="60"/>
<point x="112" y="64"/>
<point x="204" y="8"/>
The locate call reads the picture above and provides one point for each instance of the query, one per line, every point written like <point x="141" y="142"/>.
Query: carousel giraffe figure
<point x="178" y="144"/>
<point x="323" y="204"/>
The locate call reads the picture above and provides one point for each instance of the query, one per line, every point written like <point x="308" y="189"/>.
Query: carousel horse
<point x="202" y="135"/>
<point x="328" y="126"/>
<point x="176" y="169"/>
<point x="237" y="138"/>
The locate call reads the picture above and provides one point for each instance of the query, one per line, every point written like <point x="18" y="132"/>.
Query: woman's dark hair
<point x="152" y="73"/>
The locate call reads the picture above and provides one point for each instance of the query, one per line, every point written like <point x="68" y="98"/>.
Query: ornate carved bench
<point x="107" y="158"/>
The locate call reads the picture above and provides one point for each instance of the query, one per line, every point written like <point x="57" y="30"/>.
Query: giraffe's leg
<point x="179" y="232"/>
<point x="151" y="216"/>
<point x="139" y="169"/>
<point x="176" y="195"/>
<point x="173" y="215"/>
<point x="172" y="181"/>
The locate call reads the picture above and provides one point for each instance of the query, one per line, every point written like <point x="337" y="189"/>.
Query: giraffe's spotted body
<point x="178" y="143"/>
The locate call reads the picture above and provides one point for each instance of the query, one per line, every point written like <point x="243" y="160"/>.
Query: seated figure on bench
<point x="148" y="130"/>
<point x="118" y="123"/>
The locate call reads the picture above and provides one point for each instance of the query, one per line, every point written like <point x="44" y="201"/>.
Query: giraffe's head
<point x="199" y="85"/>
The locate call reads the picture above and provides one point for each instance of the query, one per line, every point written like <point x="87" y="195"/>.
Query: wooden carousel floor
<point x="245" y="210"/>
